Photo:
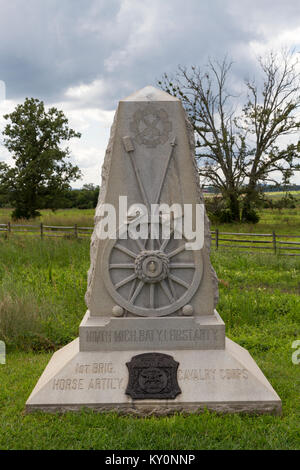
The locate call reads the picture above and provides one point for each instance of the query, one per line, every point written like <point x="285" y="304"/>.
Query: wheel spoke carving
<point x="121" y="266"/>
<point x="132" y="289"/>
<point x="164" y="244"/>
<point x="167" y="291"/>
<point x="125" y="250"/>
<point x="172" y="288"/>
<point x="181" y="266"/>
<point x="166" y="241"/>
<point x="179" y="281"/>
<point x="125" y="281"/>
<point x="137" y="291"/>
<point x="176" y="252"/>
<point x="152" y="292"/>
<point x="140" y="244"/>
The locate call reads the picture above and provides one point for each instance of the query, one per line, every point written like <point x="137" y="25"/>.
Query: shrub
<point x="218" y="211"/>
<point x="250" y="216"/>
<point x="288" y="201"/>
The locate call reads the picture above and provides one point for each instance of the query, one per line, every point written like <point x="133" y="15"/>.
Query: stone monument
<point x="151" y="341"/>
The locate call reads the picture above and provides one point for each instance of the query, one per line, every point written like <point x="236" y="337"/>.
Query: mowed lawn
<point x="42" y="286"/>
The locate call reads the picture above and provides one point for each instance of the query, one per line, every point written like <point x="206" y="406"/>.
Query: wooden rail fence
<point x="43" y="230"/>
<point x="281" y="244"/>
<point x="278" y="243"/>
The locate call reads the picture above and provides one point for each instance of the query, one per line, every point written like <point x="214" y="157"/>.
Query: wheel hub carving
<point x="152" y="266"/>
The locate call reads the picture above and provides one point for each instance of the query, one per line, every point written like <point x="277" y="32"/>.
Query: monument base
<point x="151" y="333"/>
<point x="225" y="380"/>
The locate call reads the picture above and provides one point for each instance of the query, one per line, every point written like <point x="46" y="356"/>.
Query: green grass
<point x="42" y="286"/>
<point x="42" y="303"/>
<point x="282" y="221"/>
<point x="83" y="218"/>
<point x="275" y="194"/>
<point x="88" y="430"/>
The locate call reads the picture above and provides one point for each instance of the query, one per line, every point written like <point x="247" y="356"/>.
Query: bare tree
<point x="239" y="138"/>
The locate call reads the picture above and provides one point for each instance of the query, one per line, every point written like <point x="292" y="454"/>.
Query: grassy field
<point x="42" y="303"/>
<point x="83" y="218"/>
<point x="282" y="221"/>
<point x="276" y="194"/>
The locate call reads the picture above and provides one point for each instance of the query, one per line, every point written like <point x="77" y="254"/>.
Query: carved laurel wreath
<point x="158" y="257"/>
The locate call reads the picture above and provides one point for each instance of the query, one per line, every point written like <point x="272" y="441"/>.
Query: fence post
<point x="274" y="241"/>
<point x="76" y="231"/>
<point x="42" y="230"/>
<point x="217" y="238"/>
<point x="8" y="227"/>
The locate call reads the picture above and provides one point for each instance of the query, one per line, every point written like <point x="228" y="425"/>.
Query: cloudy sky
<point x="83" y="56"/>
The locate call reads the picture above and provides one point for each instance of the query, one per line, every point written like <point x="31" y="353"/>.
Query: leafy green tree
<point x="41" y="173"/>
<point x="84" y="198"/>
<point x="239" y="144"/>
<point x="4" y="198"/>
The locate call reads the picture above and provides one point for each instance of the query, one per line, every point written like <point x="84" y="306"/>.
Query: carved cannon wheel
<point x="151" y="277"/>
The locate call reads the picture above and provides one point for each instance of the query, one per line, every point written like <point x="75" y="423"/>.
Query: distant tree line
<point x="267" y="188"/>
<point x="273" y="189"/>
<point x="84" y="198"/>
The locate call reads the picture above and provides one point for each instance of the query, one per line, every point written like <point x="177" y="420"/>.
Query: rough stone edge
<point x="102" y="194"/>
<point x="207" y="232"/>
<point x="140" y="410"/>
<point x="101" y="199"/>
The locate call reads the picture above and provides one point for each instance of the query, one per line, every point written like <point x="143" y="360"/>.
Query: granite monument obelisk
<point x="151" y="340"/>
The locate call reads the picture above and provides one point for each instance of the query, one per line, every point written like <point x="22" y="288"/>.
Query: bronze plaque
<point x="153" y="375"/>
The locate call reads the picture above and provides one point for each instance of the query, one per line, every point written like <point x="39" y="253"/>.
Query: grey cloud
<point x="49" y="46"/>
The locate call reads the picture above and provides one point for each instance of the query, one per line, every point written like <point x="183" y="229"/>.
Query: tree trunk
<point x="248" y="202"/>
<point x="234" y="206"/>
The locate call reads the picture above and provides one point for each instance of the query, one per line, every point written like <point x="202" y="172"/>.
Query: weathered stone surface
<point x="2" y="352"/>
<point x="164" y="333"/>
<point x="165" y="301"/>
<point x="150" y="150"/>
<point x="225" y="380"/>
